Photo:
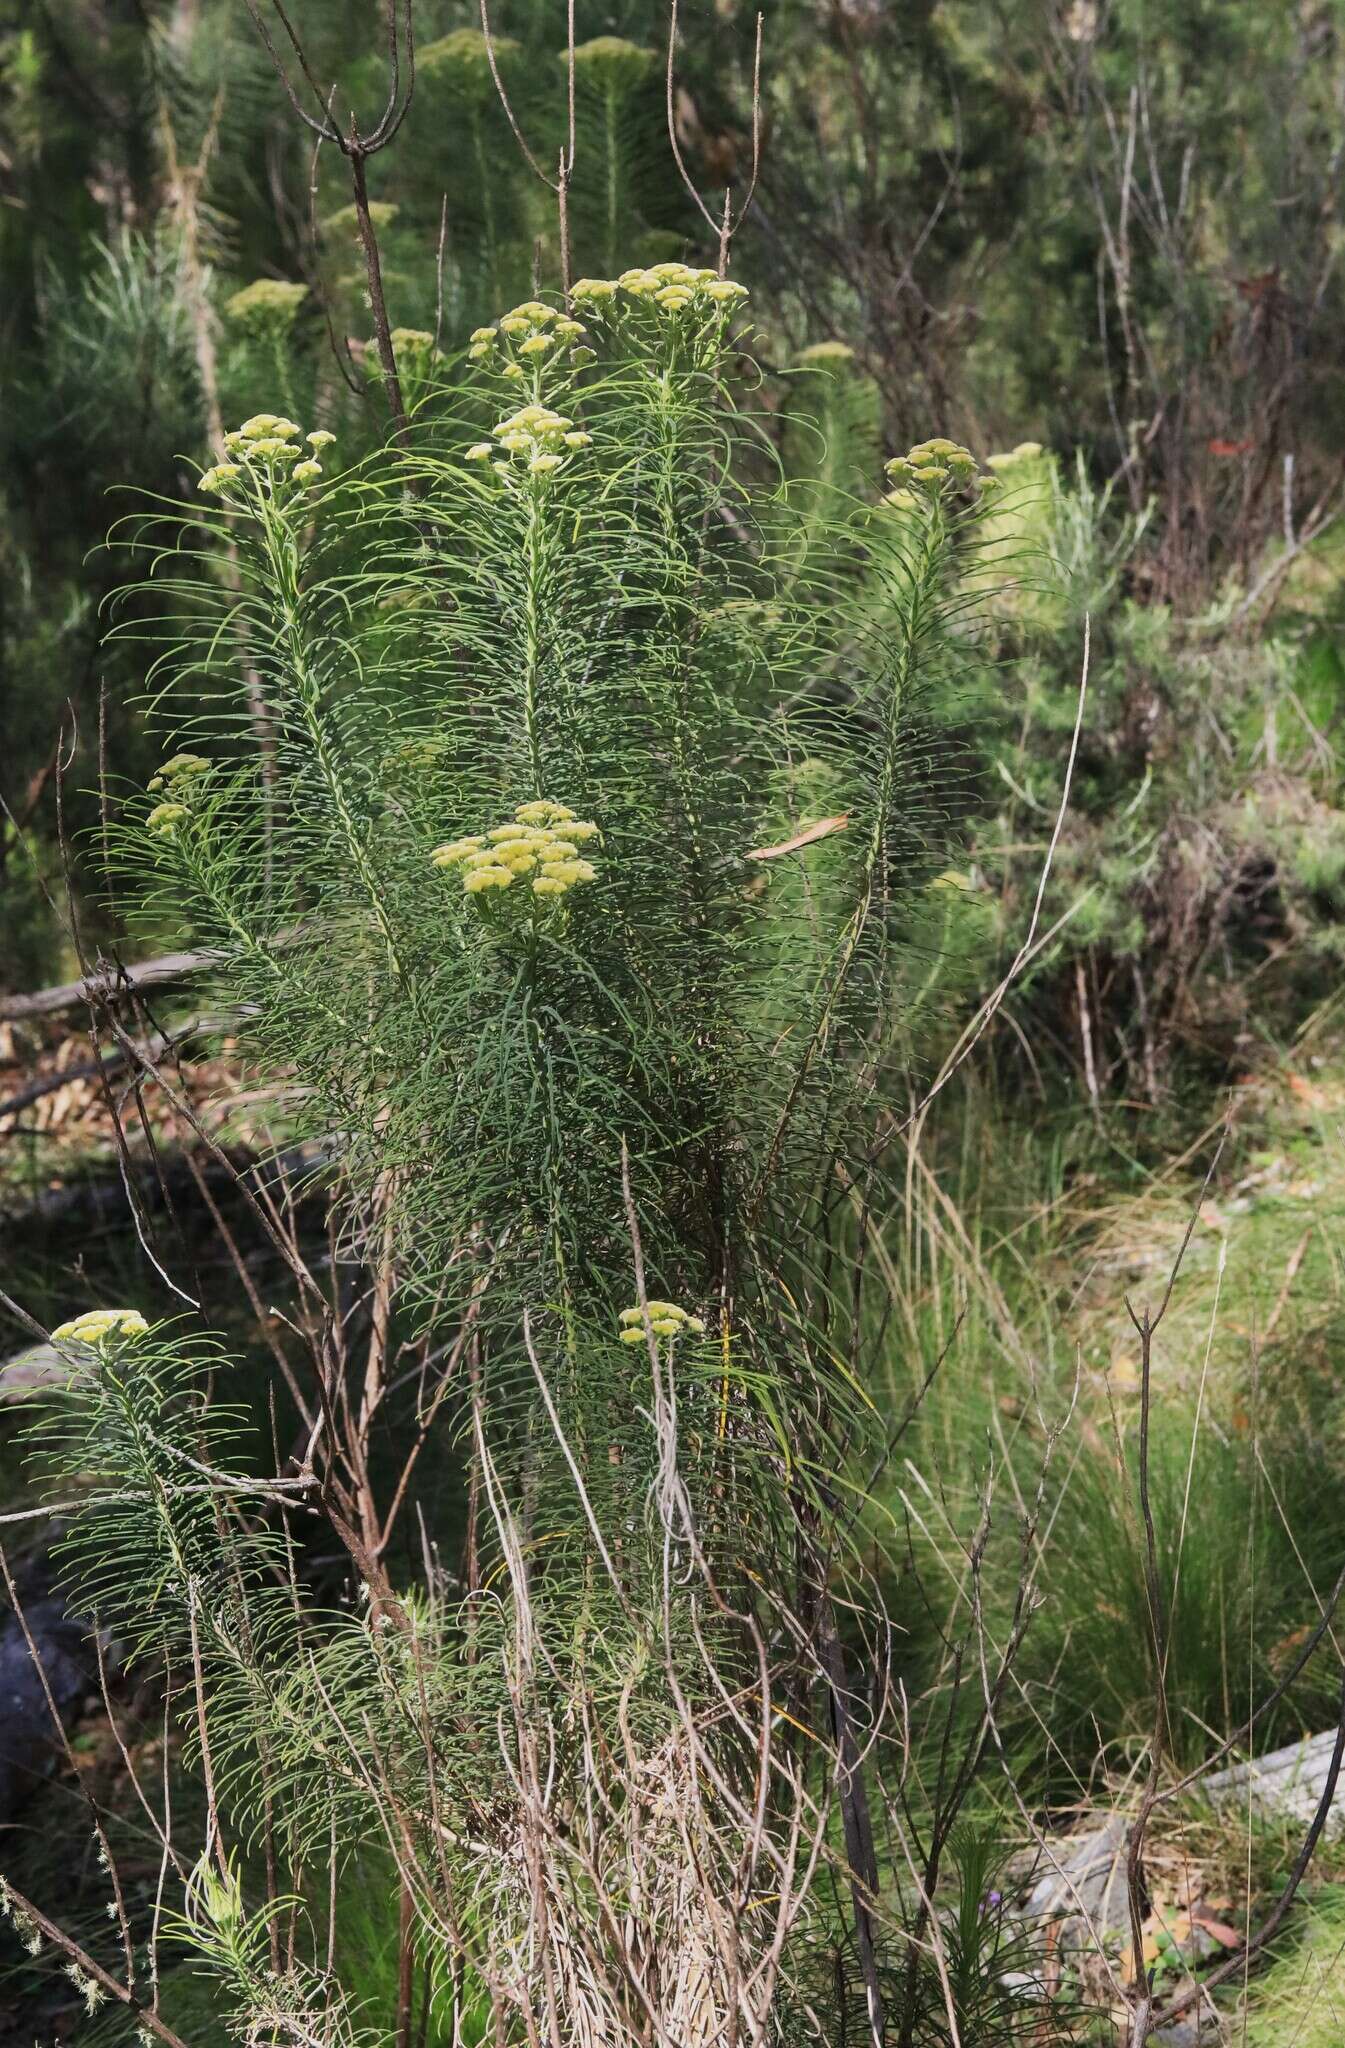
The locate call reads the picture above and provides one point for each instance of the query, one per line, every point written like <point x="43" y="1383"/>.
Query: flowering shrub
<point x="563" y="903"/>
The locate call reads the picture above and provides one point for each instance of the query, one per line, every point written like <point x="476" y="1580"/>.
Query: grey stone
<point x="1286" y="1784"/>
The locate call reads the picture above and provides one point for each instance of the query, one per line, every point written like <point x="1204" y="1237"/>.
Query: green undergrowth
<point x="1300" y="1997"/>
<point x="1018" y="1245"/>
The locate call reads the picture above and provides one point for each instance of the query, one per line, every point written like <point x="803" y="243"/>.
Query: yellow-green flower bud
<point x="215" y="479"/>
<point x="179" y="768"/>
<point x="164" y="819"/>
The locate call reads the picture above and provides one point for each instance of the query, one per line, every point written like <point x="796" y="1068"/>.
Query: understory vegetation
<point x="673" y="889"/>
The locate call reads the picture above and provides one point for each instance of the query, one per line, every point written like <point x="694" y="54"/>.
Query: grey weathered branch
<point x="108" y="984"/>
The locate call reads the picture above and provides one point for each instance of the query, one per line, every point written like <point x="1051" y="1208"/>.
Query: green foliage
<point x="510" y="861"/>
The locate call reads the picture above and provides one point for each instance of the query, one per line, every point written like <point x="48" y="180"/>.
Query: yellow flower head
<point x="483" y="335"/>
<point x="515" y="323"/>
<point x="455" y="850"/>
<point x="666" y="1319"/>
<point x="543" y="811"/>
<point x="595" y="289"/>
<point x="480" y="451"/>
<point x="96" y="1324"/>
<point x="307" y="472"/>
<point x="491" y="877"/>
<point x="260" y="423"/>
<point x="319" y="439"/>
<point x="215" y="479"/>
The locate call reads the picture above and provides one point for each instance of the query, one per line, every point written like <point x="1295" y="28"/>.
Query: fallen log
<point x="109" y="983"/>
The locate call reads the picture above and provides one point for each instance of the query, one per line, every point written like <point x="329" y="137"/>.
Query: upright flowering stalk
<point x="574" y="949"/>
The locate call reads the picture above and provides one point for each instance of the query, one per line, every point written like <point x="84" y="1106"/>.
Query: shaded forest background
<point x="1111" y="230"/>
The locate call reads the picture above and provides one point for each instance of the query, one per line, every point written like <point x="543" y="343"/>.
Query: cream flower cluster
<point x="265" y="450"/>
<point x="535" y="436"/>
<point x="666" y="1319"/>
<point x="674" y="288"/>
<point x="164" y="819"/>
<point x="181" y="768"/>
<point x="540" y="848"/>
<point x="178" y="777"/>
<point x="932" y="469"/>
<point x="1026" y="451"/>
<point x="97" y="1324"/>
<point x="529" y="339"/>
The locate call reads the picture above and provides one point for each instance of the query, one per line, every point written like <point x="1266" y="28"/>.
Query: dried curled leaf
<point x="810" y="833"/>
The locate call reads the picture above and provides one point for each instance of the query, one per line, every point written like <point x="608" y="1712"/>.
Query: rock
<point x="28" y="1746"/>
<point x="1286" y="1783"/>
<point x="32" y="1371"/>
<point x="1083" y="1878"/>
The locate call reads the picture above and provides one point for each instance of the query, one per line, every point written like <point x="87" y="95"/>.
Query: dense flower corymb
<point x="535" y="435"/>
<point x="260" y="455"/>
<point x="178" y="769"/>
<point x="539" y="849"/>
<point x="97" y="1324"/>
<point x="665" y="1318"/>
